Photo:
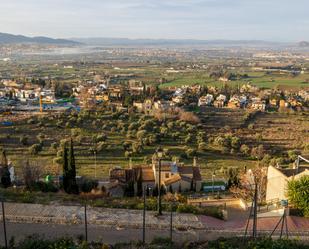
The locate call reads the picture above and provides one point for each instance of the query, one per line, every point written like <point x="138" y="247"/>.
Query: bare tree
<point x="31" y="174"/>
<point x="248" y="180"/>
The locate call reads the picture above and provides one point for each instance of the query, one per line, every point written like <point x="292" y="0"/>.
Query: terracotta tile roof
<point x="147" y="175"/>
<point x="190" y="170"/>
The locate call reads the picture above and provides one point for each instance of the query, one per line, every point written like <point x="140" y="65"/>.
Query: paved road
<point x="106" y="234"/>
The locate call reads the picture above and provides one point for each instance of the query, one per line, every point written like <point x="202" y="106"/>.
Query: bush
<point x="35" y="149"/>
<point x="189" y="117"/>
<point x="298" y="194"/>
<point x="100" y="138"/>
<point x="244" y="149"/>
<point x="211" y="211"/>
<point x="87" y="185"/>
<point x="45" y="187"/>
<point x="23" y="140"/>
<point x="191" y="152"/>
<point x="202" y="146"/>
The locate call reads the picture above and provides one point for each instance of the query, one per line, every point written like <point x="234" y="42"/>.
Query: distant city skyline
<point x="269" y="20"/>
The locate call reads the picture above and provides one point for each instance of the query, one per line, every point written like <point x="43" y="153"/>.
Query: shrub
<point x="258" y="152"/>
<point x="191" y="152"/>
<point x="244" y="149"/>
<point x="189" y="117"/>
<point x="45" y="187"/>
<point x="23" y="140"/>
<point x="298" y="194"/>
<point x="35" y="149"/>
<point x="100" y="138"/>
<point x="202" y="146"/>
<point x="87" y="185"/>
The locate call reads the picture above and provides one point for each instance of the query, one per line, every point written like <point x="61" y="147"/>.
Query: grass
<point x="259" y="79"/>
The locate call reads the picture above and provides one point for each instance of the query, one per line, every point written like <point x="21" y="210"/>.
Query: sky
<point x="271" y="20"/>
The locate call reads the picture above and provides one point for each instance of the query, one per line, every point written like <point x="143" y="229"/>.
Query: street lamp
<point x="159" y="154"/>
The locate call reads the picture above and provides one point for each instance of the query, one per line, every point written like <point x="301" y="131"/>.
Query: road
<point x="105" y="234"/>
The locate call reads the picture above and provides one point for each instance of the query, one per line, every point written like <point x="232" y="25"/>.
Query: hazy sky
<point x="278" y="20"/>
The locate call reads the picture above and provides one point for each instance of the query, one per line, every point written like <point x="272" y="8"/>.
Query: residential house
<point x="283" y="103"/>
<point x="177" y="177"/>
<point x="122" y="177"/>
<point x="237" y="102"/>
<point x="274" y="102"/>
<point x="278" y="178"/>
<point x="136" y="87"/>
<point x="304" y="94"/>
<point x="148" y="104"/>
<point x="220" y="101"/>
<point x="179" y="99"/>
<point x="138" y="105"/>
<point x="206" y="100"/>
<point x="162" y="105"/>
<point x="258" y="104"/>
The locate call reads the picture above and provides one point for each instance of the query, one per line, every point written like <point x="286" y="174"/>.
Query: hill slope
<point x="15" y="39"/>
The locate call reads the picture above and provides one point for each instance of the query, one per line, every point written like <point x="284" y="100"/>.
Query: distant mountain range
<point x="101" y="41"/>
<point x="303" y="44"/>
<point x="20" y="39"/>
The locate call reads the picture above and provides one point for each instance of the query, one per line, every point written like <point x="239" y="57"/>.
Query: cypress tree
<point x="139" y="183"/>
<point x="65" y="169"/>
<point x="192" y="185"/>
<point x="5" y="174"/>
<point x="4" y="161"/>
<point x="73" y="188"/>
<point x="171" y="189"/>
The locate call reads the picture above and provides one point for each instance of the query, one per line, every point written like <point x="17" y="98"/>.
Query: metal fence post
<point x="4" y="225"/>
<point x="86" y="229"/>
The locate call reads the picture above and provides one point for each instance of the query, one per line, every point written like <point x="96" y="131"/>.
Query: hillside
<point x="16" y="39"/>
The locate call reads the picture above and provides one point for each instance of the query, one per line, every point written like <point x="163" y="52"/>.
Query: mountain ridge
<point x="6" y="38"/>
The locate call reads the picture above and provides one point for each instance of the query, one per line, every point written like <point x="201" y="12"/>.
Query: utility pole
<point x="254" y="228"/>
<point x="95" y="163"/>
<point x="144" y="214"/>
<point x="253" y="212"/>
<point x="159" y="155"/>
<point x="171" y="225"/>
<point x="159" y="190"/>
<point x="4" y="225"/>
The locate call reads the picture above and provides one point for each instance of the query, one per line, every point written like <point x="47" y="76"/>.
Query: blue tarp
<point x="7" y="123"/>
